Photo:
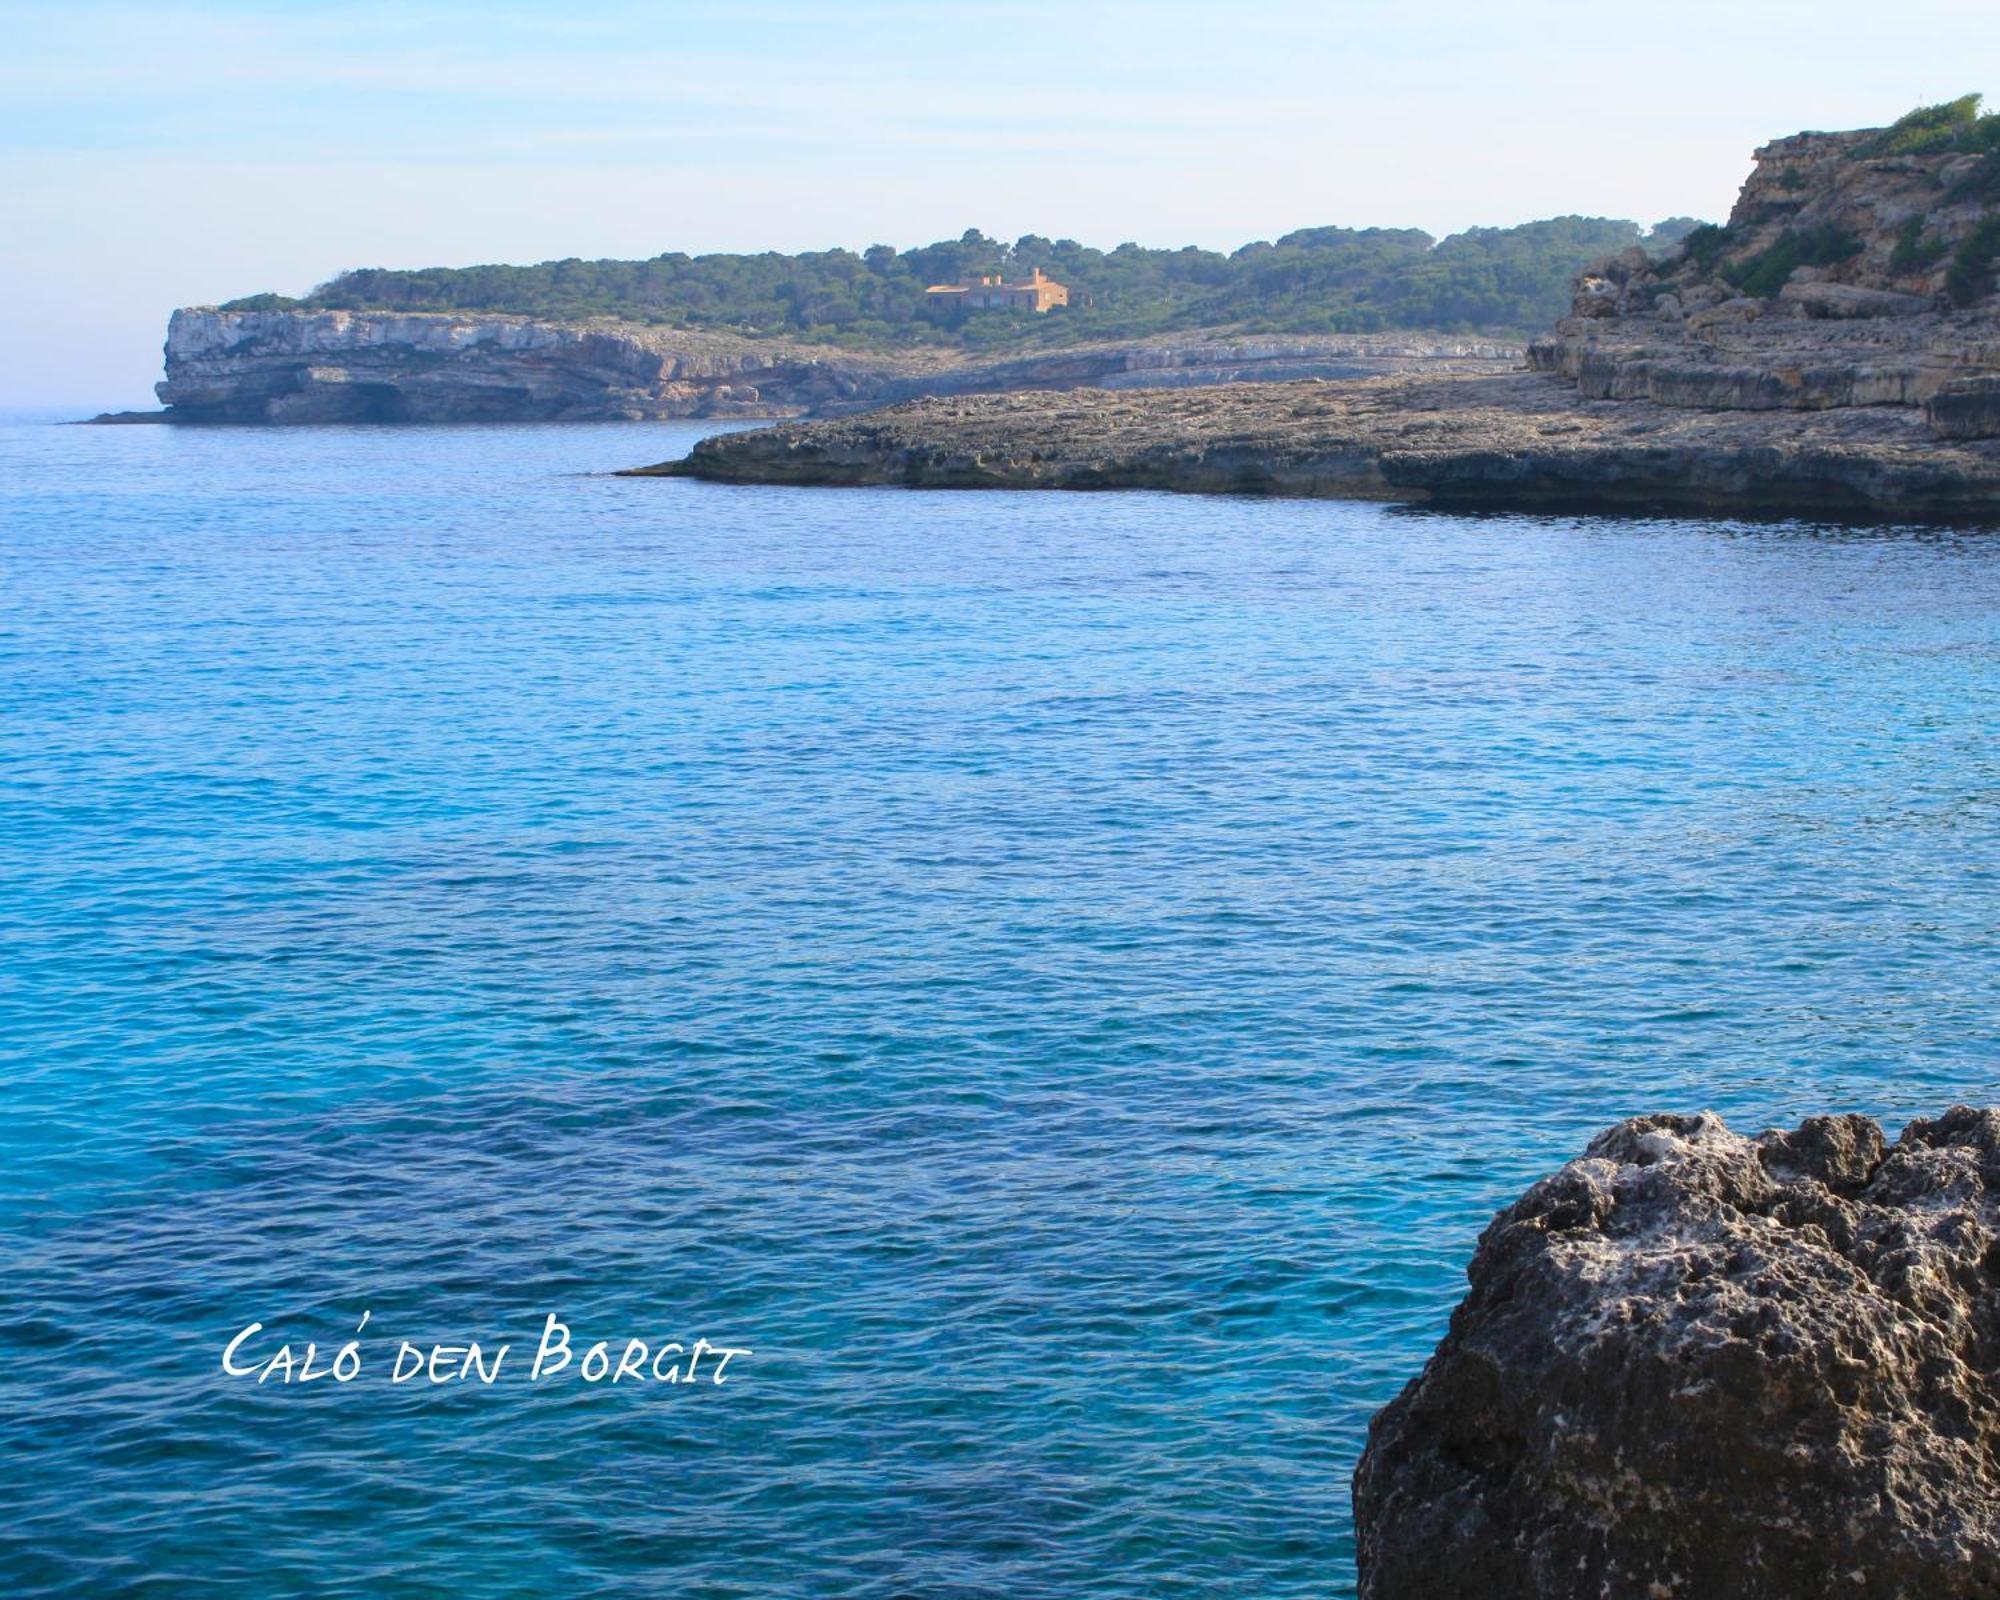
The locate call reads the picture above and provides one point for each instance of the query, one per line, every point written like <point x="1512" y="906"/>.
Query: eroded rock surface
<point x="1966" y="408"/>
<point x="1834" y="350"/>
<point x="1842" y="278"/>
<point x="293" y="366"/>
<point x="1513" y="441"/>
<point x="1692" y="1364"/>
<point x="352" y="366"/>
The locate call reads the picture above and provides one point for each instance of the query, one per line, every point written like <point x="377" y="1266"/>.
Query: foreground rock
<point x="1697" y="1365"/>
<point x="1511" y="441"/>
<point x="292" y="366"/>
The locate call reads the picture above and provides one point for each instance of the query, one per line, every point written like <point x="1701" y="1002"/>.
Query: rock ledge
<point x="1518" y="442"/>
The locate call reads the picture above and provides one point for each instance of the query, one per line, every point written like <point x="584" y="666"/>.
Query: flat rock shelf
<point x="1509" y="440"/>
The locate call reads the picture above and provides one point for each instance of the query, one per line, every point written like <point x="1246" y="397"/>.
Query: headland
<point x="1834" y="349"/>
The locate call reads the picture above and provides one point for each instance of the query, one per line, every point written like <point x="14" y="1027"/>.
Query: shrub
<point x="1932" y="130"/>
<point x="1668" y="232"/>
<point x="1915" y="253"/>
<point x="1936" y="130"/>
<point x="1763" y="275"/>
<point x="1971" y="274"/>
<point x="1316" y="279"/>
<point x="1704" y="245"/>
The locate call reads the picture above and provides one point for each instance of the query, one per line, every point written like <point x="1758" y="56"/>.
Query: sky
<point x="182" y="154"/>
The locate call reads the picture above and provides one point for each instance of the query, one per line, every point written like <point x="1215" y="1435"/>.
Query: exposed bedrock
<point x="1513" y="441"/>
<point x="1966" y="408"/>
<point x="1834" y="350"/>
<point x="1763" y="361"/>
<point x="1693" y="1364"/>
<point x="1843" y="277"/>
<point x="341" y="366"/>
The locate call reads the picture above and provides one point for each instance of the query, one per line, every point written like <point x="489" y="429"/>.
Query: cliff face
<point x="341" y="366"/>
<point x="1844" y="277"/>
<point x="1821" y="208"/>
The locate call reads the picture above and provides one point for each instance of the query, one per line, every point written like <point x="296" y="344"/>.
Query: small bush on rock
<point x="1971" y="275"/>
<point x="1915" y="253"/>
<point x="1982" y="183"/>
<point x="1762" y="276"/>
<point x="1704" y="245"/>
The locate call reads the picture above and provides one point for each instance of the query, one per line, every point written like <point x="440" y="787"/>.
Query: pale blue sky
<point x="166" y="154"/>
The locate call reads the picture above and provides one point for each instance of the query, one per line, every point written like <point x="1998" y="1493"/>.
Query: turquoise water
<point x="1062" y="979"/>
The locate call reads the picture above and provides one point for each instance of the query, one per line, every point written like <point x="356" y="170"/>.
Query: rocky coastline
<point x="1516" y="441"/>
<point x="1833" y="350"/>
<point x="1696" y="1364"/>
<point x="304" y="367"/>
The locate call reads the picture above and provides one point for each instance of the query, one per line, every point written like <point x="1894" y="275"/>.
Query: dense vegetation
<point x="1934" y="130"/>
<point x="1764" y="274"/>
<point x="1319" y="280"/>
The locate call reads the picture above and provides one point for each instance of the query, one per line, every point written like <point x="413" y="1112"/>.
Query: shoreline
<point x="1520" y="442"/>
<point x="306" y="368"/>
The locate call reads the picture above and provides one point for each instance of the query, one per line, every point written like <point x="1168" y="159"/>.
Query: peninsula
<point x="828" y="332"/>
<point x="293" y="366"/>
<point x="1834" y="348"/>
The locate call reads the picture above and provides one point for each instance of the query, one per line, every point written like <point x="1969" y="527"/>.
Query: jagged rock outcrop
<point x="344" y="366"/>
<point x="1696" y="1366"/>
<point x="1844" y="277"/>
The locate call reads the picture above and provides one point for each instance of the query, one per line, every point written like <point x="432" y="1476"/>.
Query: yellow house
<point x="989" y="292"/>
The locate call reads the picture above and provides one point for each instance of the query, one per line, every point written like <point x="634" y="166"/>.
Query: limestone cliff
<point x="1834" y="350"/>
<point x="340" y="366"/>
<point x="1848" y="274"/>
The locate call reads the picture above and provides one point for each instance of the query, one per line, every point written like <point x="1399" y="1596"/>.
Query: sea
<point x="1057" y="984"/>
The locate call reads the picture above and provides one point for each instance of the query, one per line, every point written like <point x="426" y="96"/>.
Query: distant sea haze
<point x="1061" y="979"/>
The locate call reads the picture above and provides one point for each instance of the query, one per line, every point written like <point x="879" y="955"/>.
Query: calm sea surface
<point x="1062" y="979"/>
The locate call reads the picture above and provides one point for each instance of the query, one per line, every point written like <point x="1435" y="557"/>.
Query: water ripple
<point x="1064" y="979"/>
